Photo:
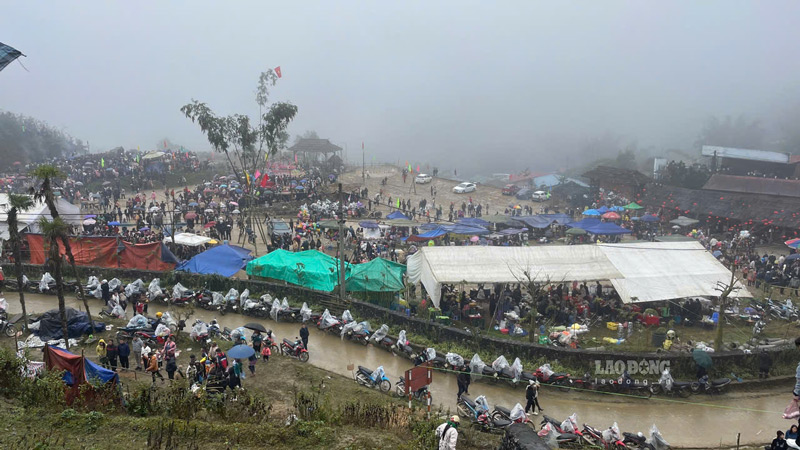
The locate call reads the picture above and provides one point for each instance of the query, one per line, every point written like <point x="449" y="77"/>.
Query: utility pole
<point x="342" y="289"/>
<point x="363" y="166"/>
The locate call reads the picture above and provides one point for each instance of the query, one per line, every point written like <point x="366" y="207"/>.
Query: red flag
<point x="278" y="71"/>
<point x="264" y="180"/>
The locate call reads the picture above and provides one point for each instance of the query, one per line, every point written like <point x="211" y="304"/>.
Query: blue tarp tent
<point x="223" y="260"/>
<point x="559" y="218"/>
<point x="537" y="221"/>
<point x="607" y="228"/>
<point x="465" y="229"/>
<point x="584" y="224"/>
<point x="473" y="222"/>
<point x="428" y="235"/>
<point x="397" y="215"/>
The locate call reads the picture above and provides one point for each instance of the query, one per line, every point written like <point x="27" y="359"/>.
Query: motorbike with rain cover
<point x="376" y="379"/>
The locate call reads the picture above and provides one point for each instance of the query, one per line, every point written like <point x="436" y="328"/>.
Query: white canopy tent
<point x="28" y="220"/>
<point x="641" y="272"/>
<point x="188" y="239"/>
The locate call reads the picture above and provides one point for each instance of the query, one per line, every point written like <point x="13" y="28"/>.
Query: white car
<point x="464" y="187"/>
<point x="539" y="196"/>
<point x="423" y="178"/>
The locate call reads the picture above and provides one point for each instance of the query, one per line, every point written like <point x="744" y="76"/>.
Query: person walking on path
<point x="304" y="335"/>
<point x="447" y="433"/>
<point x="532" y="395"/>
<point x="124" y="352"/>
<point x="152" y="367"/>
<point x="764" y="364"/>
<point x="463" y="379"/>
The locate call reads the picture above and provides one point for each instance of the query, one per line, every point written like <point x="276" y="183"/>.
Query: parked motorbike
<point x="710" y="386"/>
<point x="328" y="322"/>
<point x="421" y="394"/>
<point x="566" y="429"/>
<point x="515" y="415"/>
<point x="478" y="412"/>
<point x="609" y="439"/>
<point x="376" y="379"/>
<point x="668" y="386"/>
<point x="636" y="441"/>
<point x="7" y="326"/>
<point x="357" y="332"/>
<point x="295" y="349"/>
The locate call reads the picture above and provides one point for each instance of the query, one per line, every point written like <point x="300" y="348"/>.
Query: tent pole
<point x="342" y="288"/>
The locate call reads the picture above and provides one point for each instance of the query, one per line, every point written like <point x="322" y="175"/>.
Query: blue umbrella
<point x="649" y="218"/>
<point x="193" y="204"/>
<point x="717" y="254"/>
<point x="617" y="208"/>
<point x="240" y="351"/>
<point x="591" y="212"/>
<point x="792" y="257"/>
<point x="144" y="229"/>
<point x="114" y="223"/>
<point x="89" y="216"/>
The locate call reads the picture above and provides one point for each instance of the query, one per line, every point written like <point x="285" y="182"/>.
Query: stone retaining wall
<point x="681" y="364"/>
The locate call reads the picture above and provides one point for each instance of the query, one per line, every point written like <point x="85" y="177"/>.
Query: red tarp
<point x="101" y="251"/>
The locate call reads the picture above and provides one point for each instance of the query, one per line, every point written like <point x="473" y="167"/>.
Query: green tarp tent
<point x="632" y="205"/>
<point x="311" y="268"/>
<point x="378" y="275"/>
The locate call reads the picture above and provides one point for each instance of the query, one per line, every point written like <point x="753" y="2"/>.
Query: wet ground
<point x="701" y="421"/>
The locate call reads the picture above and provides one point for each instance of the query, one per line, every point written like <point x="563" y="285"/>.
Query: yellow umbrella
<point x="213" y="241"/>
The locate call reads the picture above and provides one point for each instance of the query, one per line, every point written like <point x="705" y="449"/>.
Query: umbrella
<point x="702" y="358"/>
<point x="138" y="208"/>
<point x="144" y="229"/>
<point x="591" y="212"/>
<point x="233" y="203"/>
<point x="611" y="215"/>
<point x="683" y="221"/>
<point x="190" y="215"/>
<point x="154" y="209"/>
<point x="114" y="223"/>
<point x="236" y="211"/>
<point x="717" y="254"/>
<point x="793" y="243"/>
<point x="209" y="210"/>
<point x="89" y="216"/>
<point x="617" y="208"/>
<point x="209" y="224"/>
<point x="193" y="204"/>
<point x="792" y="257"/>
<point x="223" y="185"/>
<point x="474" y="239"/>
<point x="89" y="222"/>
<point x="239" y="191"/>
<point x="79" y="183"/>
<point x="207" y="183"/>
<point x="255" y="327"/>
<point x="106" y="183"/>
<point x="632" y="205"/>
<point x="212" y="204"/>
<point x="575" y="231"/>
<point x="649" y="218"/>
<point x="241" y="351"/>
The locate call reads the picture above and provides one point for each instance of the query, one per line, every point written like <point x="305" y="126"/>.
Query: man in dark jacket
<point x="463" y="379"/>
<point x="106" y="291"/>
<point x="112" y="352"/>
<point x="764" y="364"/>
<point x="124" y="351"/>
<point x="304" y="335"/>
<point x="532" y="395"/>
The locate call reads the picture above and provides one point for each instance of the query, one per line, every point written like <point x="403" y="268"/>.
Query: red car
<point x="510" y="189"/>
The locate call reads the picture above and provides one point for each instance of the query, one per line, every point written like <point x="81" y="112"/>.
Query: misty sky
<point x="497" y="85"/>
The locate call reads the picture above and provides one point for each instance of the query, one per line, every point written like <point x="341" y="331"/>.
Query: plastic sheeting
<point x="378" y="275"/>
<point x="188" y="239"/>
<point x="101" y="251"/>
<point x="640" y="272"/>
<point x="222" y="260"/>
<point x="311" y="268"/>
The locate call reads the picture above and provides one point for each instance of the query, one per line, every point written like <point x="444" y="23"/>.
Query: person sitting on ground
<point x="779" y="443"/>
<point x="792" y="432"/>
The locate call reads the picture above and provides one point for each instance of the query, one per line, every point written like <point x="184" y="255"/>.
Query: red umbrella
<point x="611" y="215"/>
<point x="190" y="215"/>
<point x="209" y="224"/>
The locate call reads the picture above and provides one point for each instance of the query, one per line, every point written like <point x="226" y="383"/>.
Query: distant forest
<point x="26" y="139"/>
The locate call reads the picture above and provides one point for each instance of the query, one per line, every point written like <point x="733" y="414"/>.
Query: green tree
<point x="16" y="204"/>
<point x="246" y="146"/>
<point x="53" y="231"/>
<point x="48" y="174"/>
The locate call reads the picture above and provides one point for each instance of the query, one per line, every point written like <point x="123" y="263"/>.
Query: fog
<point x="490" y="85"/>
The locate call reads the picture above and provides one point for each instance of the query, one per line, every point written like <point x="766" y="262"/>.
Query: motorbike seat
<point x="406" y="349"/>
<point x="364" y="370"/>
<point x="720" y="381"/>
<point x="567" y="437"/>
<point x="558" y="375"/>
<point x="288" y="342"/>
<point x="387" y="341"/>
<point x="501" y="423"/>
<point x="468" y="400"/>
<point x="503" y="410"/>
<point x="527" y="376"/>
<point x="551" y="420"/>
<point x="507" y="372"/>
<point x="487" y="370"/>
<point x="681" y="383"/>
